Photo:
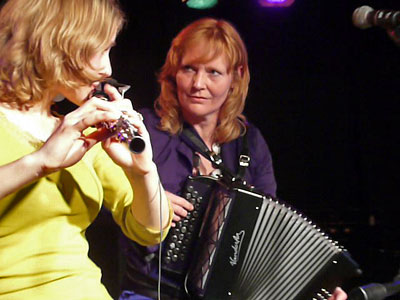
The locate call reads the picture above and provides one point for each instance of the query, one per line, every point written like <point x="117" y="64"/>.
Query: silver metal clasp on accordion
<point x="254" y="247"/>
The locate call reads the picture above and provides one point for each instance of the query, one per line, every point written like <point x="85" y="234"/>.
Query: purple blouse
<point x="174" y="157"/>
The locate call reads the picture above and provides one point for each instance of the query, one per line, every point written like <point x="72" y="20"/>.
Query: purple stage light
<point x="275" y="3"/>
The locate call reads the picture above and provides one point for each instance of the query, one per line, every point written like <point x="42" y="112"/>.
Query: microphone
<point x="366" y="17"/>
<point x="375" y="291"/>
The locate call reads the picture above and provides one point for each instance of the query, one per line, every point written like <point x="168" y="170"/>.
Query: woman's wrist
<point x="36" y="162"/>
<point x="141" y="171"/>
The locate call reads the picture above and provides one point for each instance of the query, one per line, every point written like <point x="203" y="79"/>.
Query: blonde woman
<point x="56" y="172"/>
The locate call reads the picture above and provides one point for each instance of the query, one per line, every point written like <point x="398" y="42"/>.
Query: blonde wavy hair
<point x="47" y="42"/>
<point x="220" y="38"/>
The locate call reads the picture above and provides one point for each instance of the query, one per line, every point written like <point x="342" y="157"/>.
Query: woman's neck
<point x="206" y="131"/>
<point x="36" y="120"/>
<point x="205" y="127"/>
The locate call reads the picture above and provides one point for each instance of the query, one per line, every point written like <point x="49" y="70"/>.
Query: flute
<point x="123" y="129"/>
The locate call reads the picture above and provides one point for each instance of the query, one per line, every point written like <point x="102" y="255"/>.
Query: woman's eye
<point x="215" y="72"/>
<point x="110" y="47"/>
<point x="188" y="68"/>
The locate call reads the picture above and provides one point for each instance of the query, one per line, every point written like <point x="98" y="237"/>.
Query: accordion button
<point x="182" y="257"/>
<point x="189" y="235"/>
<point x="193" y="201"/>
<point x="186" y="242"/>
<point x="169" y="253"/>
<point x="195" y="193"/>
<point x="179" y="244"/>
<point x="188" y="196"/>
<point x="181" y="236"/>
<point x="184" y="249"/>
<point x="176" y="251"/>
<point x="183" y="229"/>
<point x="195" y="214"/>
<point x="172" y="245"/>
<point x="175" y="258"/>
<point x="199" y="199"/>
<point x="190" y="188"/>
<point x="174" y="238"/>
<point x="191" y="228"/>
<point x="167" y="260"/>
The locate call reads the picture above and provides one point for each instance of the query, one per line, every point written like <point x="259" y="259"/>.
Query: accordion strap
<point x="198" y="145"/>
<point x="244" y="158"/>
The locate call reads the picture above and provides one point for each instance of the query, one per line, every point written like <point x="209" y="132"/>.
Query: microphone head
<point x="372" y="291"/>
<point x="360" y="17"/>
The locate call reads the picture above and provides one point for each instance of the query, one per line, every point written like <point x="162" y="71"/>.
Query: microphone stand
<point x="376" y="291"/>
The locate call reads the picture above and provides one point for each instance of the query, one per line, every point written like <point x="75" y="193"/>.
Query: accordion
<point x="241" y="244"/>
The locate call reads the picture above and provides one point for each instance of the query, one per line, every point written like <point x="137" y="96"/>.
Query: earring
<point x="58" y="98"/>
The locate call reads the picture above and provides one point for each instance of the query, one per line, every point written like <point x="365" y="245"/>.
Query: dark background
<point x="325" y="96"/>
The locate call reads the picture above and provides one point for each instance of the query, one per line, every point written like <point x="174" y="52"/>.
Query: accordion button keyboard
<point x="182" y="237"/>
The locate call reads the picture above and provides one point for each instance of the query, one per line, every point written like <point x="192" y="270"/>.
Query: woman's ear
<point x="240" y="71"/>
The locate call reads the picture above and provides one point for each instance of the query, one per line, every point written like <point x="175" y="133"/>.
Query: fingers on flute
<point x="112" y="92"/>
<point x="95" y="118"/>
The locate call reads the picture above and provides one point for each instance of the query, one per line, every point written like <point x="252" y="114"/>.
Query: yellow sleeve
<point x="118" y="197"/>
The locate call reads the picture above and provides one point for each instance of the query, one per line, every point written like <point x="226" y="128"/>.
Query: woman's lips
<point x="197" y="98"/>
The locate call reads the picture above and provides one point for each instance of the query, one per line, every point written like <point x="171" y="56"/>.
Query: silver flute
<point x="123" y="130"/>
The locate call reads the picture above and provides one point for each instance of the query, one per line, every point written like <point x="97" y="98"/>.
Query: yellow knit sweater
<point x="43" y="249"/>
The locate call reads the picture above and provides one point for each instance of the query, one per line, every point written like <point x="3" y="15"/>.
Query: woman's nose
<point x="106" y="69"/>
<point x="199" y="80"/>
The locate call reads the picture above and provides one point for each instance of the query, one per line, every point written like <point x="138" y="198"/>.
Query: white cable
<point x="160" y="245"/>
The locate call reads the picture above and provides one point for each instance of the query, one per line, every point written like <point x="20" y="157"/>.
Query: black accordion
<point x="241" y="244"/>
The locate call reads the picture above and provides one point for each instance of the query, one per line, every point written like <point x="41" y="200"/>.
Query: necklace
<point x="202" y="166"/>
